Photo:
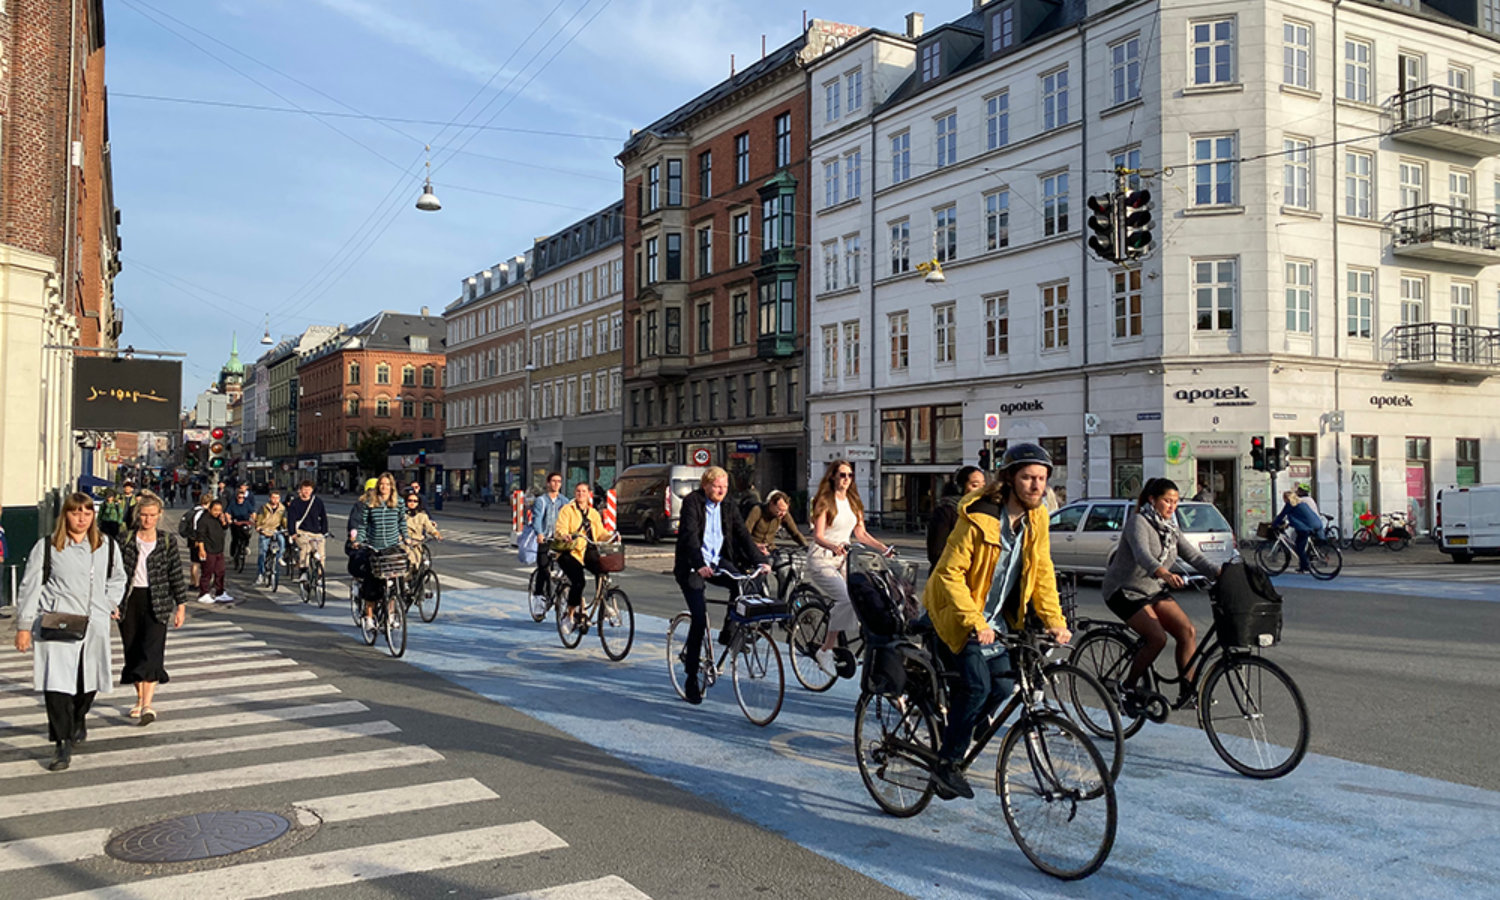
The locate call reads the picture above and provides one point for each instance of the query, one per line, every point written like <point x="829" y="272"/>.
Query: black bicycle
<point x="752" y="656"/>
<point x="312" y="582"/>
<point x="423" y="587"/>
<point x="239" y="545"/>
<point x="389" y="617"/>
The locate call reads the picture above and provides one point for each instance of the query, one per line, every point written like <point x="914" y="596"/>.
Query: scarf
<point x="1166" y="529"/>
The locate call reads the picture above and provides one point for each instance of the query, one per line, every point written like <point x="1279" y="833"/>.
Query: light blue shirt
<point x="1007" y="570"/>
<point x="544" y="514"/>
<point x="713" y="534"/>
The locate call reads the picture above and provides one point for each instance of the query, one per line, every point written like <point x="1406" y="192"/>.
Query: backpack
<point x="47" y="559"/>
<point x="884" y="602"/>
<point x="1246" y="606"/>
<point x="187" y="526"/>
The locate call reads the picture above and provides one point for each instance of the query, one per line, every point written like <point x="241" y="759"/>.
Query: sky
<point x="244" y="204"/>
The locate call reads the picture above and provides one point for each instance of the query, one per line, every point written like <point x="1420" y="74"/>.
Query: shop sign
<point x="1234" y="395"/>
<point x="1216" y="447"/>
<point x="709" y="431"/>
<point x="1176" y="449"/>
<point x="856" y="452"/>
<point x="747" y="446"/>
<point x="1285" y="417"/>
<point x="1391" y="400"/>
<point x="1020" y="406"/>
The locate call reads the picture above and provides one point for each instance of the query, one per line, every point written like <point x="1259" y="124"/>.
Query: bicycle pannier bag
<point x="1247" y="607"/>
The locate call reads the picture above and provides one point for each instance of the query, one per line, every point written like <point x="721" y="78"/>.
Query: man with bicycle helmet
<point x="995" y="571"/>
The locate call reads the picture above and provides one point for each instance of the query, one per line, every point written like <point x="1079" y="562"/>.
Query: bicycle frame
<point x="1208" y="649"/>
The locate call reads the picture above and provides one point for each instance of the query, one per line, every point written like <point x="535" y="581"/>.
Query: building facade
<point x="716" y="274"/>
<point x="1322" y="270"/>
<point x="577" y="330"/>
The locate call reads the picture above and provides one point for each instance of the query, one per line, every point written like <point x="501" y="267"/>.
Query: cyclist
<point x="270" y="524"/>
<point x="965" y="481"/>
<point x="379" y="523"/>
<point x="766" y="520"/>
<point x="581" y="519"/>
<point x="1303" y="516"/>
<point x="419" y="527"/>
<point x="307" y="523"/>
<point x="240" y="511"/>
<point x="1140" y="579"/>
<point x="710" y="536"/>
<point x="838" y="517"/>
<point x="995" y="570"/>
<point x="544" y="511"/>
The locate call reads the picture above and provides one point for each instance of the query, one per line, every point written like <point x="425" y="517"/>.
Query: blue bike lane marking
<point x="1188" y="825"/>
<point x="1420" y="587"/>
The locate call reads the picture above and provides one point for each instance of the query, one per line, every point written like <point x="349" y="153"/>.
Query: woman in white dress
<point x="838" y="517"/>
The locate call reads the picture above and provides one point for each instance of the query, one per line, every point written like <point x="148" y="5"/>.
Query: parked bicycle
<point x="1332" y="533"/>
<point x="752" y="656"/>
<point x="1324" y="560"/>
<point x="609" y="611"/>
<point x="1391" y="531"/>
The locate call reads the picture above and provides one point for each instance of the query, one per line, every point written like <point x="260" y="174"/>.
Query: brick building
<point x="716" y="280"/>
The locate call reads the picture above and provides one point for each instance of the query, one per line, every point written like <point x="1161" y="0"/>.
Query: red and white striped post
<point x="517" y="509"/>
<point x="609" y="510"/>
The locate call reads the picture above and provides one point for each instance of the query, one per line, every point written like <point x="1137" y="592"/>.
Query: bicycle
<point x="609" y="610"/>
<point x="809" y="625"/>
<point x="389" y="616"/>
<point x="1250" y="708"/>
<point x="271" y="565"/>
<point x="1055" y="789"/>
<point x="541" y="603"/>
<point x="242" y="534"/>
<point x="1332" y="533"/>
<point x="423" y="587"/>
<point x="753" y="658"/>
<point x="312" y="582"/>
<point x="1324" y="560"/>
<point x="1390" y="530"/>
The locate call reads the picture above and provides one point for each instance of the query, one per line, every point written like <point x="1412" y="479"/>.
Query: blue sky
<point x="231" y="214"/>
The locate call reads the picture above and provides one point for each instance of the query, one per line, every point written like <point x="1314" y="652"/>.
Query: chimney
<point x="425" y="313"/>
<point x="914" y="25"/>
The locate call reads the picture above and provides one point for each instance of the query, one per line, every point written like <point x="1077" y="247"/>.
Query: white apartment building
<point x="1326" y="233"/>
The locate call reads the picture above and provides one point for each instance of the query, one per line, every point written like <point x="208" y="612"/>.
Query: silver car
<point x="1086" y="533"/>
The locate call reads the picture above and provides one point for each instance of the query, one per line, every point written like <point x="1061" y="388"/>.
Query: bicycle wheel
<point x="1273" y="556"/>
<point x="1057" y="796"/>
<point x="759" y="680"/>
<point x="1324" y="559"/>
<point x="537" y="601"/>
<point x="677" y="634"/>
<point x="1254" y="716"/>
<point x="616" y="624"/>
<point x="322" y="584"/>
<point x="356" y="608"/>
<point x="1399" y="543"/>
<point x="1362" y="539"/>
<point x="369" y="629"/>
<point x="1106" y="655"/>
<point x="896" y="778"/>
<point x="1083" y="700"/>
<point x="395" y="626"/>
<point x="567" y="632"/>
<point x="809" y="628"/>
<point x="429" y="593"/>
<point x="275" y="573"/>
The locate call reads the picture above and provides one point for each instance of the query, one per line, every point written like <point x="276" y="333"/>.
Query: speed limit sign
<point x="700" y="456"/>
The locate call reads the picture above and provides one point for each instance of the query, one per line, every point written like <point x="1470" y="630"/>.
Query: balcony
<point x="1446" y="119"/>
<point x="775" y="346"/>
<point x="663" y="366"/>
<point x="1446" y="233"/>
<point x="1470" y="352"/>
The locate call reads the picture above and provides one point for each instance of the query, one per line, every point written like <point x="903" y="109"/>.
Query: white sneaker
<point x="224" y="598"/>
<point x="206" y="598"/>
<point x="825" y="661"/>
<point x="369" y="624"/>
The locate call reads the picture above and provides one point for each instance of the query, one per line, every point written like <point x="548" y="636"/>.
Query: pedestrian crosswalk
<point x="245" y="727"/>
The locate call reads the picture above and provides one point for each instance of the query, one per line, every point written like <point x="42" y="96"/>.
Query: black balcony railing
<point x="1435" y="104"/>
<point x="1451" y="224"/>
<point x="1440" y="342"/>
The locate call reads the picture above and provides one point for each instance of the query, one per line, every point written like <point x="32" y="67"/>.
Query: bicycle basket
<point x="1246" y="607"/>
<point x="612" y="556"/>
<point x="389" y="563"/>
<point x="1263" y="531"/>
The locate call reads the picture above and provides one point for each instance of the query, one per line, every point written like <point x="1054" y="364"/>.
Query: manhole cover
<point x="200" y="836"/>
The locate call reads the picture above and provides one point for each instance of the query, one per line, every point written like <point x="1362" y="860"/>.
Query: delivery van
<point x="648" y="498"/>
<point x="1469" y="519"/>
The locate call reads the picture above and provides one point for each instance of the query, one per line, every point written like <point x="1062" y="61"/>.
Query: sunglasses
<point x="846" y="475"/>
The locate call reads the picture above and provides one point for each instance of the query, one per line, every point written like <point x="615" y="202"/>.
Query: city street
<point x="496" y="762"/>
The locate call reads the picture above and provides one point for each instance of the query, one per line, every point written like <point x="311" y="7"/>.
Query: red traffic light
<point x="1258" y="442"/>
<point x="217" y="434"/>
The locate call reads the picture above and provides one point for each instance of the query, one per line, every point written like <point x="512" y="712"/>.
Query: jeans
<point x="266" y="540"/>
<point x="985" y="682"/>
<point x="693" y="586"/>
<point x="1301" y="545"/>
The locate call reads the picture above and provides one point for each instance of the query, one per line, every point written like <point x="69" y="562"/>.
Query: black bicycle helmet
<point x="1024" y="454"/>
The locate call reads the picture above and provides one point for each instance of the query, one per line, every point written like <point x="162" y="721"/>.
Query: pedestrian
<point x="965" y="481"/>
<point x="76" y="576"/>
<point x="153" y="600"/>
<point x="187" y="529"/>
<point x="213" y="525"/>
<point x="111" y="514"/>
<point x="129" y="500"/>
<point x="468" y="491"/>
<point x="486" y="497"/>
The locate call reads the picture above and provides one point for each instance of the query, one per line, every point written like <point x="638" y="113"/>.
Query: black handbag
<point x="56" y="626"/>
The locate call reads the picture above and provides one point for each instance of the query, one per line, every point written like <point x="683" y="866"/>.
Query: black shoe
<point x="947" y="777"/>
<point x="691" y="689"/>
<point x="62" y="757"/>
<point x="81" y="735"/>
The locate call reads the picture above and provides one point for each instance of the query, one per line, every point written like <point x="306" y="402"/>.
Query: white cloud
<point x="445" y="48"/>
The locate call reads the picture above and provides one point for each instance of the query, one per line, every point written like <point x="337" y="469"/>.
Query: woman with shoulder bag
<point x="68" y="595"/>
<point x="152" y="601"/>
<point x="578" y="523"/>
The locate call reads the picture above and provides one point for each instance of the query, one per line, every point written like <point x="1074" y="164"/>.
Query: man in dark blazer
<point x="710" y="536"/>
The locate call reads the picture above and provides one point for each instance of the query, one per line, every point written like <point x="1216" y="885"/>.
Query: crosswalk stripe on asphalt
<point x="52" y="849"/>
<point x="170" y="724"/>
<point x="612" y="887"/>
<point x="347" y="807"/>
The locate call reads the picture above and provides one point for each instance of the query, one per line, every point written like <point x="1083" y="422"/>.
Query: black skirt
<point x="145" y="640"/>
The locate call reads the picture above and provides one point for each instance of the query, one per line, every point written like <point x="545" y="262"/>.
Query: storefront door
<point x="1218" y="483"/>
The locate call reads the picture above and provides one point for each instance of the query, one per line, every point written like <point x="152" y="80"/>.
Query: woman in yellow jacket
<point x="577" y="524"/>
<point x="995" y="571"/>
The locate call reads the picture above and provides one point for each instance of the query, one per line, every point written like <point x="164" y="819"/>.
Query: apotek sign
<point x="1403" y="401"/>
<point x="1234" y="395"/>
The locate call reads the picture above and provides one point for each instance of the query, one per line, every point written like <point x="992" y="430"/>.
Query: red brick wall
<point x="325" y="388"/>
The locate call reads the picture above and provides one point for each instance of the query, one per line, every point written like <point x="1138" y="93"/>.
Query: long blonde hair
<point x="371" y="498"/>
<point x="76" y="501"/>
<point x="824" y="502"/>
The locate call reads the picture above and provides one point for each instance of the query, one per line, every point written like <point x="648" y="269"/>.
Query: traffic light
<point x="1258" y="453"/>
<point x="422" y="457"/>
<point x="1280" y="456"/>
<point x="984" y="456"/>
<point x="218" y="449"/>
<point x="1135" y="211"/>
<point x="1105" y="225"/>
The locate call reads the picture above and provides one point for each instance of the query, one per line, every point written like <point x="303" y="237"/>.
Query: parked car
<point x="648" y="498"/>
<point x="1086" y="533"/>
<point x="1469" y="521"/>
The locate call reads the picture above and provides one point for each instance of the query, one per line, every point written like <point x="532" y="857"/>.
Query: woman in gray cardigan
<point x="78" y="571"/>
<point x="153" y="600"/>
<point x="1140" y="578"/>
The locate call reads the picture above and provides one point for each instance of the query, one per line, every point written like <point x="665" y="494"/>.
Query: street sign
<point x="747" y="446"/>
<point x="856" y="452"/>
<point x="1148" y="417"/>
<point x="1091" y="423"/>
<point x="701" y="456"/>
<point x="991" y="424"/>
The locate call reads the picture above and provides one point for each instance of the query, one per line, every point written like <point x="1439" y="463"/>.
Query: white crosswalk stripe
<point x="235" y="702"/>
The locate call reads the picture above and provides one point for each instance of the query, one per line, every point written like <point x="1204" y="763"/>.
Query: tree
<point x="372" y="449"/>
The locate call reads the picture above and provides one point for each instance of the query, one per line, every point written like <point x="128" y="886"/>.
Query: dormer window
<point x="1003" y="29"/>
<point x="419" y="343"/>
<point x="931" y="66"/>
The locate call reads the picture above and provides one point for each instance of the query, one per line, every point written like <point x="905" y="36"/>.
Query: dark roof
<point x="588" y="235"/>
<point x="393" y="331"/>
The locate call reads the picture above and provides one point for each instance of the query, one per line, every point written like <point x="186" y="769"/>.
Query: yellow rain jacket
<point x="570" y="521"/>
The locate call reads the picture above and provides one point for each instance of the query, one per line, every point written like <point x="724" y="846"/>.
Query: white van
<point x="1470" y="521"/>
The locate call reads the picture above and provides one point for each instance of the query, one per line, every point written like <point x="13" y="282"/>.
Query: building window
<point x="1130" y="160"/>
<point x="409" y="375"/>
<point x="674" y="331"/>
<point x="854" y="88"/>
<point x="773" y="397"/>
<point x="1299" y="299"/>
<point x="1412" y="183"/>
<point x="947" y="139"/>
<point x="382" y="408"/>
<point x="429" y="409"/>
<point x="741" y="158"/>
<point x="1213" y="51"/>
<point x="851" y="426"/>
<point x="900" y="157"/>
<point x="900" y="341"/>
<point x="653" y="260"/>
<point x="1125" y="69"/>
<point x="1055" y="99"/>
<point x="1003" y="29"/>
<point x="1127" y="297"/>
<point x="1467" y="456"/>
<point x="1296" y="54"/>
<point x="1357" y="74"/>
<point x="706" y="250"/>
<point x="778" y="307"/>
<point x="1214" y="170"/>
<point x="852" y="256"/>
<point x="931" y="61"/>
<point x="1460" y="189"/>
<point x="776" y="222"/>
<point x="851" y="349"/>
<point x="653" y="188"/>
<point x="1359" y="190"/>
<point x="1360" y="303"/>
<point x="1413" y="299"/>
<point x="831" y="183"/>
<point x="997" y="120"/>
<point x="750" y="408"/>
<point x="900" y="247"/>
<point x="1054" y="204"/>
<point x="852" y="175"/>
<point x="741" y="226"/>
<point x="996" y="326"/>
<point x="830" y="427"/>
<point x="830" y="352"/>
<point x="585" y="394"/>
<point x="833" y="93"/>
<point x="351" y="406"/>
<point x="1055" y="316"/>
<point x="382" y="374"/>
<point x="1214" y="283"/>
<point x="945" y="232"/>
<point x="1461" y="302"/>
<point x="705" y="174"/>
<point x="705" y="327"/>
<point x="674" y="182"/>
<point x="1296" y="178"/>
<point x="1126" y="464"/>
<point x="354" y="373"/>
<point x="997" y="220"/>
<point x="408" y="408"/>
<point x="741" y="304"/>
<point x="653" y="331"/>
<point x="674" y="256"/>
<point x="831" y="266"/>
<point x="944" y="333"/>
<point x="783" y="140"/>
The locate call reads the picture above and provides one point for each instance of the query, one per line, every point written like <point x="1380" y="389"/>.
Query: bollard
<point x="609" y="510"/>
